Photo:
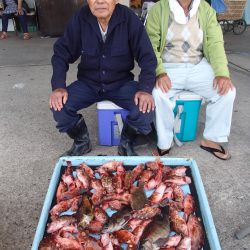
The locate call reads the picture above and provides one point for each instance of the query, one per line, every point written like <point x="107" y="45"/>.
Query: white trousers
<point x="198" y="79"/>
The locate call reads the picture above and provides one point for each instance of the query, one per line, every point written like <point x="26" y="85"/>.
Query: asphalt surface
<point x="30" y="144"/>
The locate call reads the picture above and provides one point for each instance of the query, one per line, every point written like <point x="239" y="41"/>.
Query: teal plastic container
<point x="187" y="111"/>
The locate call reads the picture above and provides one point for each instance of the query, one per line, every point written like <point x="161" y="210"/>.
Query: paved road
<point x="30" y="144"/>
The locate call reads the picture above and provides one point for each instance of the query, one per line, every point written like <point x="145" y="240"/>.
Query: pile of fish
<point x="111" y="208"/>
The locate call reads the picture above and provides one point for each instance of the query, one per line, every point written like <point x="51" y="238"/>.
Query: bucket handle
<point x="119" y="121"/>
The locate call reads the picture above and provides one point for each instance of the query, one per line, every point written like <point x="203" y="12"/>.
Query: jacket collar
<point x="116" y="18"/>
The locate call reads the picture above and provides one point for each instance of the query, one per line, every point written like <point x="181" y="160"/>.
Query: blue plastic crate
<point x="129" y="162"/>
<point x="108" y="129"/>
<point x="187" y="109"/>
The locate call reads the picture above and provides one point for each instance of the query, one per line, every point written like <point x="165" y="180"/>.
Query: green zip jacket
<point x="213" y="43"/>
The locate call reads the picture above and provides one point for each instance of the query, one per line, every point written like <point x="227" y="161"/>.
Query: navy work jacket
<point x="105" y="63"/>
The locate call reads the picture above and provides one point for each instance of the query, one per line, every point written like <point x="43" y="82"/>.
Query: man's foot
<point x="161" y="152"/>
<point x="4" y="35"/>
<point x="128" y="135"/>
<point x="26" y="36"/>
<point x="215" y="149"/>
<point x="78" y="150"/>
<point x="127" y="150"/>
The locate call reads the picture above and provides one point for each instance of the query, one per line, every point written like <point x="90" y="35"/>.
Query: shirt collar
<point x="115" y="19"/>
<point x="178" y="12"/>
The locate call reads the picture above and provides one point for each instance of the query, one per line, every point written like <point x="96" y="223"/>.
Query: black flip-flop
<point x="214" y="150"/>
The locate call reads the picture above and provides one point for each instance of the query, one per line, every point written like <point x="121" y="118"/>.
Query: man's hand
<point x="145" y="101"/>
<point x="163" y="82"/>
<point x="58" y="98"/>
<point x="222" y="84"/>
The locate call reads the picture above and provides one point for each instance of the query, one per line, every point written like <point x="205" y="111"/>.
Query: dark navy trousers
<point x="21" y="18"/>
<point x="81" y="95"/>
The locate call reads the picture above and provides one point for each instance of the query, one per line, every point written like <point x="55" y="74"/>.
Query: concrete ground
<point x="30" y="144"/>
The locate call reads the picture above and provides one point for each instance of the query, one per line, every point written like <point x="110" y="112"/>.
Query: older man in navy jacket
<point x="108" y="37"/>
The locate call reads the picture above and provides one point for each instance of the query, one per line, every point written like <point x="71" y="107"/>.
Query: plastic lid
<point x="107" y="105"/>
<point x="187" y="95"/>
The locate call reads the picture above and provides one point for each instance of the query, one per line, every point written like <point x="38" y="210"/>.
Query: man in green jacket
<point x="188" y="43"/>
